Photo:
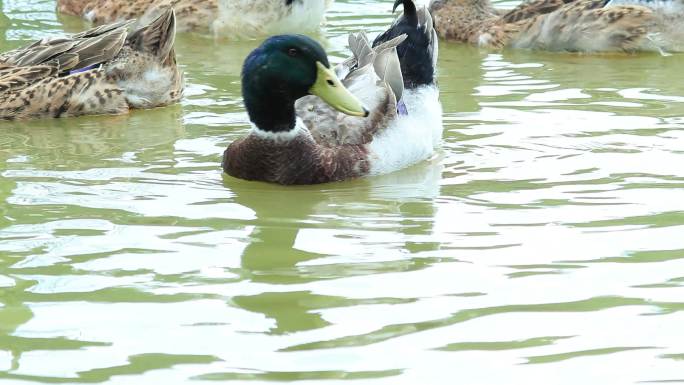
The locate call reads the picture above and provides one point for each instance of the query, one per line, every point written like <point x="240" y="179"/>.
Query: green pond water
<point x="544" y="244"/>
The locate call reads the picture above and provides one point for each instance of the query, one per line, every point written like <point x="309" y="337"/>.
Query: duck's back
<point x="54" y="77"/>
<point x="105" y="11"/>
<point x="191" y="15"/>
<point x="104" y="70"/>
<point x="604" y="25"/>
<point x="587" y="26"/>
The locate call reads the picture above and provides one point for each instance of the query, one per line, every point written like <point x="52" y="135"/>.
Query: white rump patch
<point x="410" y="138"/>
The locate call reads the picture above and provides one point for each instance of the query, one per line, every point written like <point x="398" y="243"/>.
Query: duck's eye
<point x="330" y="83"/>
<point x="292" y="52"/>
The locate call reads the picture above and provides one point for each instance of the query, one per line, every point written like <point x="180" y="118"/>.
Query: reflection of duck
<point x="13" y="314"/>
<point x="308" y="142"/>
<point x="98" y="141"/>
<point x="4" y="22"/>
<point x="572" y="25"/>
<point x="283" y="240"/>
<point x="232" y="18"/>
<point x="359" y="204"/>
<point x="104" y="70"/>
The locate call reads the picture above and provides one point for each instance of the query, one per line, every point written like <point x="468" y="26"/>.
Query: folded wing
<point x="373" y="74"/>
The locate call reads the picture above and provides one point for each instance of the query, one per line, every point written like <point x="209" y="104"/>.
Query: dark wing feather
<point x="94" y="46"/>
<point x="417" y="54"/>
<point x="157" y="37"/>
<point x="97" y="49"/>
<point x="103" y="29"/>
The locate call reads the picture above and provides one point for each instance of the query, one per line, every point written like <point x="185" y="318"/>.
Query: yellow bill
<point x="329" y="88"/>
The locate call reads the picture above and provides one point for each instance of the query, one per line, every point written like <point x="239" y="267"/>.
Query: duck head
<point x="146" y="68"/>
<point x="283" y="69"/>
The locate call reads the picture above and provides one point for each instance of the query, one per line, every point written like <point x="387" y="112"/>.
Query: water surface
<point x="542" y="244"/>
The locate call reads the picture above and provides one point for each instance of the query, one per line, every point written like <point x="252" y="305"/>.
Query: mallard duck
<point x="104" y="70"/>
<point x="565" y="25"/>
<point x="310" y="127"/>
<point x="232" y="18"/>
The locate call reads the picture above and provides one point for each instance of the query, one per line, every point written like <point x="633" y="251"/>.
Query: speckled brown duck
<point x="565" y="25"/>
<point x="105" y="70"/>
<point x="231" y="18"/>
<point x="310" y="127"/>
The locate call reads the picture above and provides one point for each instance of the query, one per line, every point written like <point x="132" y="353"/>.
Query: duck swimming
<point x="309" y="127"/>
<point x="565" y="25"/>
<point x="105" y="70"/>
<point x="230" y="18"/>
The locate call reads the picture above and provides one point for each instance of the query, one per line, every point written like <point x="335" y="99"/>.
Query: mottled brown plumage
<point x="467" y="20"/>
<point x="532" y="8"/>
<point x="233" y="18"/>
<point x="100" y="71"/>
<point x="572" y="25"/>
<point x="192" y="15"/>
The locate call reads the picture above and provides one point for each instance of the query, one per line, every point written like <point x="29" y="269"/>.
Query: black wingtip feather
<point x="415" y="53"/>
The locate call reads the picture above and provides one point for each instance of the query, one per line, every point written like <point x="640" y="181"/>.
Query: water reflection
<point x="13" y="314"/>
<point x="401" y="202"/>
<point x="63" y="142"/>
<point x="291" y="243"/>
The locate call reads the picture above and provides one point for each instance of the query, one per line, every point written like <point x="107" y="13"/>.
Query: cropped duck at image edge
<point x="104" y="70"/>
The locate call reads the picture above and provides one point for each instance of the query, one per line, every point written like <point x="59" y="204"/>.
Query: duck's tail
<point x="383" y="57"/>
<point x="157" y="37"/>
<point x="418" y="53"/>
